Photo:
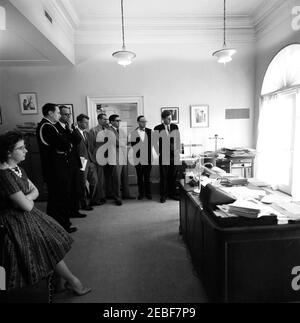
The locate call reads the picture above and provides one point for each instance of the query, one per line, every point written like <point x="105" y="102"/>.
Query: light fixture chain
<point x="224" y="23"/>
<point x="123" y="33"/>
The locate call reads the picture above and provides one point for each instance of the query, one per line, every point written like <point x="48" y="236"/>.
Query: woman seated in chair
<point x="34" y="244"/>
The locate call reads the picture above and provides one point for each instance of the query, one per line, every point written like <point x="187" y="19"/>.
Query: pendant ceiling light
<point x="224" y="55"/>
<point x="2" y="19"/>
<point x="123" y="56"/>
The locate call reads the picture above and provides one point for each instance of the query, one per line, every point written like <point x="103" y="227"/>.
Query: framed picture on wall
<point x="174" y="113"/>
<point x="199" y="116"/>
<point x="70" y="106"/>
<point x="28" y="103"/>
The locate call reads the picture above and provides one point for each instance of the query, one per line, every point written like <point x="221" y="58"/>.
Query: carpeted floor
<point x="132" y="253"/>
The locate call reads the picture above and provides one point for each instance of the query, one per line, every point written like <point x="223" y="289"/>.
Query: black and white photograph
<point x="149" y="154"/>
<point x="28" y="103"/>
<point x="199" y="116"/>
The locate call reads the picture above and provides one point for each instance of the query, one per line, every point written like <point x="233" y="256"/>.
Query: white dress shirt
<point x="142" y="134"/>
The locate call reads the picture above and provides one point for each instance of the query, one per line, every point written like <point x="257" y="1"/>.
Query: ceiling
<point x="80" y="25"/>
<point x="170" y="8"/>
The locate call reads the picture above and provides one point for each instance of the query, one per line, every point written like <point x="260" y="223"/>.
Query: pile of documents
<point x="237" y="152"/>
<point x="245" y="208"/>
<point x="288" y="210"/>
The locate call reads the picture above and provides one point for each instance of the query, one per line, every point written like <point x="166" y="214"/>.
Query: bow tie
<point x="142" y="129"/>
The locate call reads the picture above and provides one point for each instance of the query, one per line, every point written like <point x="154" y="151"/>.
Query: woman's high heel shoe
<point x="81" y="292"/>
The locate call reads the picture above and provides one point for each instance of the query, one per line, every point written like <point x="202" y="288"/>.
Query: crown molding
<point x="269" y="15"/>
<point x="102" y="30"/>
<point x="69" y="12"/>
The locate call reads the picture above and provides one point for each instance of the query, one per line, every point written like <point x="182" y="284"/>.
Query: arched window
<point x="284" y="71"/>
<point x="278" y="146"/>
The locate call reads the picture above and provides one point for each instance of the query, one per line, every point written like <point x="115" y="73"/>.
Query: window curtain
<point x="274" y="146"/>
<point x="296" y="161"/>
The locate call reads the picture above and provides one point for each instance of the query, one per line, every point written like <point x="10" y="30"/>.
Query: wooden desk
<point x="244" y="261"/>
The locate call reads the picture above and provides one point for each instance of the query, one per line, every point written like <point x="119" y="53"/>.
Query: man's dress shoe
<point x="87" y="208"/>
<point x="118" y="202"/>
<point x="78" y="215"/>
<point x="162" y="200"/>
<point x="71" y="229"/>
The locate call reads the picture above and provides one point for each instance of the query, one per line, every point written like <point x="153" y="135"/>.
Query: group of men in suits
<point x="83" y="167"/>
<point x="60" y="164"/>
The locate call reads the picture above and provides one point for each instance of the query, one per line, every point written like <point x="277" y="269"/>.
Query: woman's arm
<point x="21" y="201"/>
<point x="33" y="192"/>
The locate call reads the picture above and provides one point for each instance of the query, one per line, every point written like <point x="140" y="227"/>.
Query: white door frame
<point x="93" y="101"/>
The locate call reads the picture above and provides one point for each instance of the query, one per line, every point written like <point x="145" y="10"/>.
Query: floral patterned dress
<point x="34" y="243"/>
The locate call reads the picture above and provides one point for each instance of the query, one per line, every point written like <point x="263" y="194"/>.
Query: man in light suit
<point x="89" y="171"/>
<point x="99" y="195"/>
<point x="168" y="167"/>
<point x="140" y="140"/>
<point x="118" y="161"/>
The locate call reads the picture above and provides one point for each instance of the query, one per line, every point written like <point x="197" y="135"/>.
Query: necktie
<point x="168" y="127"/>
<point x="84" y="137"/>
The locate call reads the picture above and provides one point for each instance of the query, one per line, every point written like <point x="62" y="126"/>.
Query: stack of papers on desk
<point x="242" y="192"/>
<point x="289" y="210"/>
<point x="246" y="208"/>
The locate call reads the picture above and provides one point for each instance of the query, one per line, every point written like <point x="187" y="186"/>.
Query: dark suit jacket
<point x="53" y="148"/>
<point x="136" y="139"/>
<point x="74" y="139"/>
<point x="83" y="147"/>
<point x="174" y="141"/>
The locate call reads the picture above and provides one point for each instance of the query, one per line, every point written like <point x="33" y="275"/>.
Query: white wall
<point x="2" y="91"/>
<point x="170" y="75"/>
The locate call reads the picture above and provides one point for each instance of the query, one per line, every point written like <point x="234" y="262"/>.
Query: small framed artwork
<point x="70" y="106"/>
<point x="199" y="116"/>
<point x="174" y="113"/>
<point x="28" y="103"/>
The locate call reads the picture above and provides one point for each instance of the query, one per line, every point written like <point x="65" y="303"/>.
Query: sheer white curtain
<point x="296" y="160"/>
<point x="275" y="140"/>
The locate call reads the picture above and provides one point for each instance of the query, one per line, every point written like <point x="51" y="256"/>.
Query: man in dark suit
<point x="88" y="172"/>
<point x="140" y="140"/>
<point x="54" y="149"/>
<point x="73" y="159"/>
<point x="168" y="137"/>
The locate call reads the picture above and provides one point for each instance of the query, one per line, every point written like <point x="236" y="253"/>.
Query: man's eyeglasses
<point x="66" y="114"/>
<point x="118" y="120"/>
<point x="21" y="148"/>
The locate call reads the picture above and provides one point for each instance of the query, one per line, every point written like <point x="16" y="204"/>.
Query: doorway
<point x="127" y="107"/>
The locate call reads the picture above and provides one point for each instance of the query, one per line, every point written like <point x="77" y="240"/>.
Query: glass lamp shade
<point x="124" y="57"/>
<point x="224" y="55"/>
